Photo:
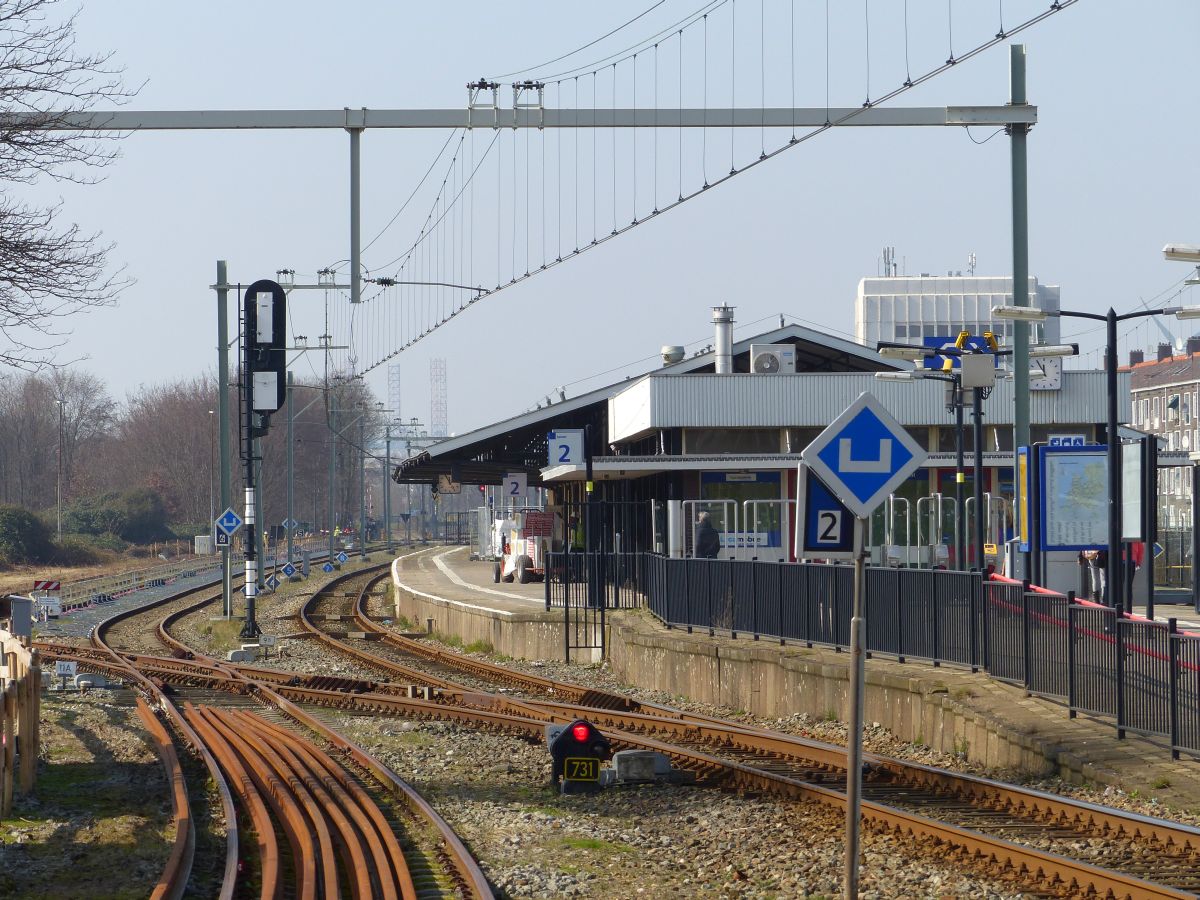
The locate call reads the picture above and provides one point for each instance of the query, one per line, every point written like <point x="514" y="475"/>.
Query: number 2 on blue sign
<point x="515" y="490"/>
<point x="564" y="454"/>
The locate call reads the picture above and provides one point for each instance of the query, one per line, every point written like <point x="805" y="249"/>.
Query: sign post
<point x="862" y="456"/>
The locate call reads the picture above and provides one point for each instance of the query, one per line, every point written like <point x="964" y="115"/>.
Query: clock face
<point x="1052" y="379"/>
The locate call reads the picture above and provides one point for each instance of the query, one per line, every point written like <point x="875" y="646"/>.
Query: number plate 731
<point x="581" y="768"/>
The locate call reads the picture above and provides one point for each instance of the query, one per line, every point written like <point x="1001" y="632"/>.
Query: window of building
<point x="1185" y="411"/>
<point x="708" y="441"/>
<point x="1173" y="408"/>
<point x="901" y="332"/>
<point x="1155" y="411"/>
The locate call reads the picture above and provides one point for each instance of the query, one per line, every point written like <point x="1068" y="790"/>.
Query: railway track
<point x="328" y="818"/>
<point x="1054" y="845"/>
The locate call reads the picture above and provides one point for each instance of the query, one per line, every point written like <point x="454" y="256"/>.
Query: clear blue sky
<point x="1112" y="178"/>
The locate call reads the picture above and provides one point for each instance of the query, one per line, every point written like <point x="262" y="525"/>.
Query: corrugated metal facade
<point x="776" y="401"/>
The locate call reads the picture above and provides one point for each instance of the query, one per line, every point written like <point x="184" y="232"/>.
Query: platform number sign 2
<point x="564" y="447"/>
<point x="829" y="526"/>
<point x="825" y="527"/>
<point x="515" y="485"/>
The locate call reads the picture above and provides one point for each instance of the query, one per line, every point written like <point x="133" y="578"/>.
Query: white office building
<point x="922" y="309"/>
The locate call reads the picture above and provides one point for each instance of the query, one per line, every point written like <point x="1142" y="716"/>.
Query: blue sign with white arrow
<point x="228" y="522"/>
<point x="863" y="455"/>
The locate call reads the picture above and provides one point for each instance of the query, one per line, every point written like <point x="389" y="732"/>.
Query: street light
<point x="212" y="510"/>
<point x="1189" y="253"/>
<point x="58" y="485"/>
<point x="954" y="404"/>
<point x="1031" y="314"/>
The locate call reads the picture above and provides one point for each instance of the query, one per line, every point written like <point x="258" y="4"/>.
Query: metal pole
<point x="1020" y="245"/>
<point x="362" y="485"/>
<point x="332" y="442"/>
<point x="960" y="477"/>
<point x="355" y="215"/>
<point x="854" y="738"/>
<point x="291" y="447"/>
<point x="1114" y="584"/>
<point x="223" y="425"/>
<point x="977" y="487"/>
<point x="387" y="487"/>
<point x="58" y="484"/>
<point x="260" y="532"/>
<point x="212" y="464"/>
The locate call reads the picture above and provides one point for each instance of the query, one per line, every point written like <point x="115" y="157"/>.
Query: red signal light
<point x="581" y="732"/>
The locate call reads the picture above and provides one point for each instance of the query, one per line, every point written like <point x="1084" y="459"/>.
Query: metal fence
<point x="1145" y="676"/>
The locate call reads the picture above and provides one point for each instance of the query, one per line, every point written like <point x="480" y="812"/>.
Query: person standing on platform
<point x="708" y="542"/>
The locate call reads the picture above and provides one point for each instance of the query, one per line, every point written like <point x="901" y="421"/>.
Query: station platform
<point x="956" y="711"/>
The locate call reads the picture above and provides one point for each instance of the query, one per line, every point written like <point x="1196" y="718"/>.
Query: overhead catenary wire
<point x="615" y="191"/>
<point x="586" y="46"/>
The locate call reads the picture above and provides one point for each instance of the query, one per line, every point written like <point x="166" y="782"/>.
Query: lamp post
<point x="212" y="445"/>
<point x="977" y="371"/>
<point x="1189" y="253"/>
<point x="1113" y="574"/>
<point x="61" y="402"/>
<point x="953" y="404"/>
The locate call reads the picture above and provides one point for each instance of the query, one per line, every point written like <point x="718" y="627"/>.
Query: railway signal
<point x="577" y="750"/>
<point x="264" y="314"/>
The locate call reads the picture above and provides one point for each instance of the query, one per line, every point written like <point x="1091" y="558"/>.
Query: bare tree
<point x="48" y="270"/>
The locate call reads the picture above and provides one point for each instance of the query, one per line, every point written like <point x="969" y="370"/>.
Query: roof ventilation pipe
<point x="722" y="317"/>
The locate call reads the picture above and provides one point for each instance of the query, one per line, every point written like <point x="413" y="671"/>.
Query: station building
<point x="934" y="309"/>
<point x="723" y="430"/>
<point x="1166" y="403"/>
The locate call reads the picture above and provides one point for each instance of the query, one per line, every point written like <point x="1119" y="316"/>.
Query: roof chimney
<point x="722" y="317"/>
<point x="1193" y="345"/>
<point x="1137" y="356"/>
<point x="1164" y="352"/>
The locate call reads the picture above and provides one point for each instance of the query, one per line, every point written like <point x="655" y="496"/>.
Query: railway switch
<point x="577" y="750"/>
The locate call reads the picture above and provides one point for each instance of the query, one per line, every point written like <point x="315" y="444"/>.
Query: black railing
<point x="1143" y="675"/>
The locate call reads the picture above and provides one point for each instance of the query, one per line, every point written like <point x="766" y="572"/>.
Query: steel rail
<point x="339" y="836"/>
<point x="182" y="874"/>
<point x="287" y="811"/>
<point x="252" y="800"/>
<point x="173" y="881"/>
<point x="1045" y="868"/>
<point x="462" y="865"/>
<point x="746" y="777"/>
<point x="368" y="816"/>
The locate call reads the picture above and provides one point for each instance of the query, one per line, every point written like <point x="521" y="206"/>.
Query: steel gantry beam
<point x="523" y="117"/>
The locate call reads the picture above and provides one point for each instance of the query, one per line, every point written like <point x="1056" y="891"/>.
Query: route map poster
<point x="1074" y="498"/>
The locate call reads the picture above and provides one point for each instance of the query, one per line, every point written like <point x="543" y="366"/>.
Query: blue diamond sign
<point x="863" y="455"/>
<point x="342" y="557"/>
<point x="328" y="567"/>
<point x="228" y="522"/>
<point x="288" y="570"/>
<point x="272" y="582"/>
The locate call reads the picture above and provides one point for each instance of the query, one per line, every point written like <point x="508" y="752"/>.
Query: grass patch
<point x="595" y="845"/>
<point x="479" y="647"/>
<point x="1161" y="782"/>
<point x="224" y="635"/>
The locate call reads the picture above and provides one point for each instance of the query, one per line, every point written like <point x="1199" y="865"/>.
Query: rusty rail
<point x="173" y="881"/>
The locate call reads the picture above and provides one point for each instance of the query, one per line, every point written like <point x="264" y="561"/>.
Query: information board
<point x="1074" y="495"/>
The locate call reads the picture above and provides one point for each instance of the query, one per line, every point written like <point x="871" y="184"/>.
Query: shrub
<point x="75" y="550"/>
<point x="24" y="538"/>
<point x="138" y="515"/>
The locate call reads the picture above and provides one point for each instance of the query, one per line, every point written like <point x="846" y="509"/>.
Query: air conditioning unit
<point x="773" y="359"/>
